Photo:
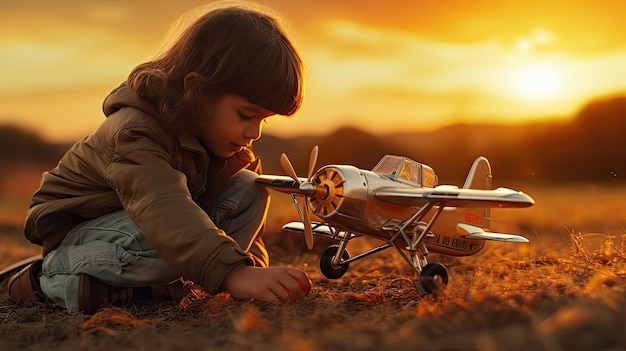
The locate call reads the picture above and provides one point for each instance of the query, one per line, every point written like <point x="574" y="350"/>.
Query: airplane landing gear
<point x="434" y="277"/>
<point x="337" y="269"/>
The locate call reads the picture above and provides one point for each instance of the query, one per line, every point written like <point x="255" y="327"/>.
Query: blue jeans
<point x="112" y="248"/>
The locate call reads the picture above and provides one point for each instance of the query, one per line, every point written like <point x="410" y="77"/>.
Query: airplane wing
<point x="455" y="197"/>
<point x="283" y="184"/>
<point x="473" y="232"/>
<point x="320" y="229"/>
<point x="463" y="229"/>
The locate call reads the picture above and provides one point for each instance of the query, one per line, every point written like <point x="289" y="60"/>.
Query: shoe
<point x="24" y="285"/>
<point x="94" y="294"/>
<point x="7" y="272"/>
<point x="174" y="291"/>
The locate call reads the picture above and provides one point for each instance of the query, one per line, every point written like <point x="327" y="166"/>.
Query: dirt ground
<point x="505" y="298"/>
<point x="565" y="290"/>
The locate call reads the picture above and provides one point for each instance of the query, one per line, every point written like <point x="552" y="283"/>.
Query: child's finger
<point x="305" y="286"/>
<point x="304" y="283"/>
<point x="290" y="290"/>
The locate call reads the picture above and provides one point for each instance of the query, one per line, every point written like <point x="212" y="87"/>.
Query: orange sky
<point x="382" y="65"/>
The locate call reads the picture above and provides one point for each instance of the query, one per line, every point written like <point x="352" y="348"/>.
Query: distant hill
<point x="589" y="148"/>
<point x="18" y="145"/>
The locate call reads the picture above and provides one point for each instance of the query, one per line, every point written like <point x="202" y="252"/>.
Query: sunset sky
<point x="380" y="65"/>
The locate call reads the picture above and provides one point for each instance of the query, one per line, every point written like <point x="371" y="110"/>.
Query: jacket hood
<point x="123" y="96"/>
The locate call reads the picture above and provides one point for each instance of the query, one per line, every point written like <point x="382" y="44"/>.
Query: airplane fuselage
<point x="351" y="205"/>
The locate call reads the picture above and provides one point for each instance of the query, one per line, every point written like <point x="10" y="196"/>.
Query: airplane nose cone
<point x="308" y="189"/>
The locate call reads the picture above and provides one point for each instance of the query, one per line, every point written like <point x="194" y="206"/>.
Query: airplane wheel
<point x="434" y="277"/>
<point x="329" y="270"/>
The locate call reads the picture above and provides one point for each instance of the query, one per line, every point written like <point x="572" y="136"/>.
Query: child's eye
<point x="244" y="117"/>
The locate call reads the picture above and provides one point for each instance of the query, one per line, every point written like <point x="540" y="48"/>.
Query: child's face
<point x="233" y="123"/>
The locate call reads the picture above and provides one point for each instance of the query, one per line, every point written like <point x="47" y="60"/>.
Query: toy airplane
<point x="399" y="203"/>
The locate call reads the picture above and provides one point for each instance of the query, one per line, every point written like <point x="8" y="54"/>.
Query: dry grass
<point x="563" y="291"/>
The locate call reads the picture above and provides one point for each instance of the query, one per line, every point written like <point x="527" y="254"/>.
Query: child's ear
<point x="192" y="82"/>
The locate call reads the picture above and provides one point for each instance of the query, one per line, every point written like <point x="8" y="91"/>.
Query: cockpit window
<point x="410" y="172"/>
<point x="388" y="166"/>
<point x="429" y="178"/>
<point x="405" y="170"/>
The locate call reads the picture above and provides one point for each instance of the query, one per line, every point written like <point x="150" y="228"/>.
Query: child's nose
<point x="253" y="132"/>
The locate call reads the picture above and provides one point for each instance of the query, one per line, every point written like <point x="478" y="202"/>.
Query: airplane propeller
<point x="288" y="168"/>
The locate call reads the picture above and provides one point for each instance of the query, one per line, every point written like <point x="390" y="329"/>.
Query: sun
<point x="538" y="82"/>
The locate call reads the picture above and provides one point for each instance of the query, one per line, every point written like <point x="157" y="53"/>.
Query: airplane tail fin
<point x="457" y="222"/>
<point x="463" y="230"/>
<point x="479" y="177"/>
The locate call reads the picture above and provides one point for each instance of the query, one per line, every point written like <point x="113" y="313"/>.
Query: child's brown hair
<point x="235" y="50"/>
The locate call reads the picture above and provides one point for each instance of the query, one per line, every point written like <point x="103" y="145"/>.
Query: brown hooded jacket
<point x="132" y="162"/>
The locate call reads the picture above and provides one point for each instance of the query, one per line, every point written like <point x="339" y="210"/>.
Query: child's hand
<point x="267" y="284"/>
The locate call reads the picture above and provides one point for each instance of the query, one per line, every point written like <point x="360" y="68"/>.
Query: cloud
<point x="62" y="55"/>
<point x="34" y="66"/>
<point x="371" y="72"/>
<point x="357" y="58"/>
<point x="441" y="61"/>
<point x="107" y="13"/>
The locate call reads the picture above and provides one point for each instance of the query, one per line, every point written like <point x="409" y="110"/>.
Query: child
<point x="164" y="188"/>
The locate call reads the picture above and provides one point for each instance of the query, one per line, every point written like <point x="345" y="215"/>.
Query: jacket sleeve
<point x="156" y="197"/>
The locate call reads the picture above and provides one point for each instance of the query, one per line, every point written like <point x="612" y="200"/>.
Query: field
<point x="563" y="291"/>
